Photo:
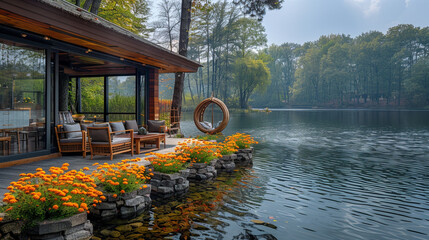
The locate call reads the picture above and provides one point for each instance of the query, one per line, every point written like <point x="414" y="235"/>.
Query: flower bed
<point x="245" y="150"/>
<point x="170" y="175"/>
<point x="202" y="156"/>
<point x="50" y="205"/>
<point x="124" y="187"/>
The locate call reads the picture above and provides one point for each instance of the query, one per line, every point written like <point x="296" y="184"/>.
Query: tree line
<point x="372" y="69"/>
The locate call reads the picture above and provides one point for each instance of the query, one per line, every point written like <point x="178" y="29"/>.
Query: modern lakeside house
<point x="45" y="45"/>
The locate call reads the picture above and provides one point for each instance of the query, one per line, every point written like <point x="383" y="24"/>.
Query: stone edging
<point x="124" y="205"/>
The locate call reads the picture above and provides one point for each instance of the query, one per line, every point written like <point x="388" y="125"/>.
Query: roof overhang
<point x="63" y="21"/>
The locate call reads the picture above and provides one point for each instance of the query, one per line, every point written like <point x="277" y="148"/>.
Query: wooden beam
<point x="153" y="94"/>
<point x="29" y="160"/>
<point x="69" y="23"/>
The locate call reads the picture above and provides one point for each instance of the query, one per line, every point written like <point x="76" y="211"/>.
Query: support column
<point x="153" y="92"/>
<point x="63" y="91"/>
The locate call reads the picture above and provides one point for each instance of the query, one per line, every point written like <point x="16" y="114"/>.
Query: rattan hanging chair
<point x="199" y="116"/>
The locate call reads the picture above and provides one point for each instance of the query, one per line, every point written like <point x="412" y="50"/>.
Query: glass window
<point x="122" y="98"/>
<point x="22" y="98"/>
<point x="92" y="97"/>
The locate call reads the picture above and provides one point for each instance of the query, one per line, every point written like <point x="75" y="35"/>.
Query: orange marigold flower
<point x="81" y="209"/>
<point x="122" y="191"/>
<point x="55" y="207"/>
<point x="115" y="195"/>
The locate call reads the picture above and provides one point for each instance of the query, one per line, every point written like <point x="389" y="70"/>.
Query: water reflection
<point x="316" y="175"/>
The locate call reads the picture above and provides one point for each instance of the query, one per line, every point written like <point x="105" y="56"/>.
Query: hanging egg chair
<point x="205" y="127"/>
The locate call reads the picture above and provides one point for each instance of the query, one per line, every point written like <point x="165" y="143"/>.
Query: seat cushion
<point x="117" y="126"/>
<point x="73" y="127"/>
<point x="71" y="140"/>
<point x="206" y="125"/>
<point x="155" y="125"/>
<point x="131" y="124"/>
<point x="115" y="141"/>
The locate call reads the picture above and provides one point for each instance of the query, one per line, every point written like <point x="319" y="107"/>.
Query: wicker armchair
<point x="75" y="143"/>
<point x="103" y="142"/>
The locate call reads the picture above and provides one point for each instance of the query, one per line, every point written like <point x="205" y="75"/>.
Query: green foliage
<point x="219" y="137"/>
<point x="250" y="74"/>
<point x="129" y="14"/>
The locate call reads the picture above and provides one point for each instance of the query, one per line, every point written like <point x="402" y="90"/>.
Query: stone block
<point x="75" y="229"/>
<point x="129" y="195"/>
<point x="180" y="180"/>
<point x="155" y="182"/>
<point x="141" y="207"/>
<point x="181" y="187"/>
<point x="198" y="165"/>
<point x="172" y="176"/>
<point x="106" y="205"/>
<point x="88" y="227"/>
<point x="144" y="191"/>
<point x="209" y="175"/>
<point x="201" y="177"/>
<point x="134" y="201"/>
<point x="168" y="183"/>
<point x="211" y="169"/>
<point x="13" y="227"/>
<point x="164" y="190"/>
<point x="184" y="173"/>
<point x="83" y="234"/>
<point x="119" y="203"/>
<point x="126" y="211"/>
<point x="109" y="213"/>
<point x="202" y="170"/>
<point x="154" y="189"/>
<point x="192" y="171"/>
<point x="52" y="226"/>
<point x="192" y="175"/>
<point x="156" y="176"/>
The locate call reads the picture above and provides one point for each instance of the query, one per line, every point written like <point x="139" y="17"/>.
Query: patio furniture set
<point x="109" y="138"/>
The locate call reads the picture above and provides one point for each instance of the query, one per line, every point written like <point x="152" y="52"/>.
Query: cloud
<point x="368" y="7"/>
<point x="407" y="2"/>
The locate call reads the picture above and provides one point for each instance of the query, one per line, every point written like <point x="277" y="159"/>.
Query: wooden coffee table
<point x="150" y="138"/>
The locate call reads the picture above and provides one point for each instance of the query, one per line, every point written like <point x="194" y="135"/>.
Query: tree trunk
<point x="87" y="5"/>
<point x="185" y="23"/>
<point x="95" y="6"/>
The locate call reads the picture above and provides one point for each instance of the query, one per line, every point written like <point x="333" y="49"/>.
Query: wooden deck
<point x="76" y="161"/>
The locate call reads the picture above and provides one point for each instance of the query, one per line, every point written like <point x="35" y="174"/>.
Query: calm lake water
<point x="317" y="174"/>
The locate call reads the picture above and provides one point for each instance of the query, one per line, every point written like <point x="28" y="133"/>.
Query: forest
<point x="373" y="69"/>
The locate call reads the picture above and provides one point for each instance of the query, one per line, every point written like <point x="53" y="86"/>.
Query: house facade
<point x="55" y="56"/>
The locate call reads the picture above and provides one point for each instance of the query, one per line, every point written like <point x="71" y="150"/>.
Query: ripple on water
<point x="318" y="175"/>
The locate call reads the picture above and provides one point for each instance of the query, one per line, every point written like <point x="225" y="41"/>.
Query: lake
<point x="317" y="174"/>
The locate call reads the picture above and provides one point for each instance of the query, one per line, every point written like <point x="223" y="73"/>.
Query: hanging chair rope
<point x="199" y="115"/>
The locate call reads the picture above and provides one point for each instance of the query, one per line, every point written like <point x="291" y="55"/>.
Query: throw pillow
<point x="155" y="125"/>
<point x="131" y="124"/>
<point x="73" y="127"/>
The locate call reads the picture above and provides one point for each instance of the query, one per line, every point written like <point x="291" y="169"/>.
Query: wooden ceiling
<point x="68" y="23"/>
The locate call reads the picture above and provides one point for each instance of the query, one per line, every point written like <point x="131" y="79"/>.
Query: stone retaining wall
<point x="244" y="157"/>
<point x="124" y="205"/>
<point x="202" y="171"/>
<point x="166" y="185"/>
<point x="225" y="163"/>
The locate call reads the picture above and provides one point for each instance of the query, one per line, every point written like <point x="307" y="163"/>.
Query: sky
<point x="301" y="21"/>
